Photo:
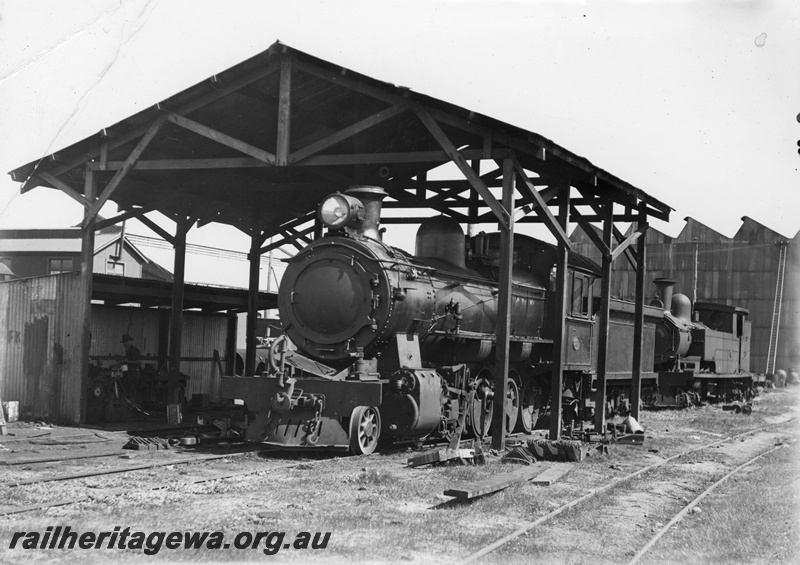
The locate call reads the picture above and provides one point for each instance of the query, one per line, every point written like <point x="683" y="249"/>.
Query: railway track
<point x="150" y="465"/>
<point x="7" y="511"/>
<point x="543" y="520"/>
<point x="691" y="505"/>
<point x="97" y="493"/>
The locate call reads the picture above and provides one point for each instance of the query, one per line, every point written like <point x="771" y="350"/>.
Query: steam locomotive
<point x="380" y="344"/>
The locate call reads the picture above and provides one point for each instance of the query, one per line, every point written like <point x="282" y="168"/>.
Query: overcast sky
<point x="695" y="102"/>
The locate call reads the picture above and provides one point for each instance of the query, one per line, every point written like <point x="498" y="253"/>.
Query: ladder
<point x="772" y="352"/>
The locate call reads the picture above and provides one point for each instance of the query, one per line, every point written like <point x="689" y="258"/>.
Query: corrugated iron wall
<point x="40" y="365"/>
<point x="109" y="323"/>
<point x="739" y="271"/>
<point x="789" y="341"/>
<point x="202" y="334"/>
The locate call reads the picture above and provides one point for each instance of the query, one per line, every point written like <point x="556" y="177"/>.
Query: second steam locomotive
<point x="379" y="344"/>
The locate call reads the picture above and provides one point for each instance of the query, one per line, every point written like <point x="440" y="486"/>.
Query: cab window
<point x="581" y="295"/>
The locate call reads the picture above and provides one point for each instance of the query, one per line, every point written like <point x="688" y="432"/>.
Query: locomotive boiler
<point x="350" y="295"/>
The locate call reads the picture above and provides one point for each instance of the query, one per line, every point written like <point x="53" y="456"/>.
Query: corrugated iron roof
<point x="40" y="245"/>
<point x="124" y="290"/>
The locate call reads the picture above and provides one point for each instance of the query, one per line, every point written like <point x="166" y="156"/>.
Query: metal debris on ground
<point x="146" y="443"/>
<point x="473" y="454"/>
<point x="224" y="426"/>
<point x="441" y="456"/>
<point x="519" y="454"/>
<point x="628" y="432"/>
<point x="558" y="450"/>
<point x="745" y="409"/>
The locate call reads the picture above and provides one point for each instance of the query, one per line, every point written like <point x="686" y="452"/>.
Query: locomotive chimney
<point x="372" y="199"/>
<point x="665" y="287"/>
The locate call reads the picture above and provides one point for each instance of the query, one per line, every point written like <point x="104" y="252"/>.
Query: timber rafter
<point x="272" y="132"/>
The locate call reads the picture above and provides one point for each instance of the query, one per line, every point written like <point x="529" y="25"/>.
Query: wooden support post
<point x="163" y="339"/>
<point x="603" y="321"/>
<point x="230" y="345"/>
<point x="504" y="312"/>
<point x="559" y="333"/>
<point x="474" y="202"/>
<point x="252" y="304"/>
<point x="638" y="322"/>
<point x="176" y="319"/>
<point x="284" y="113"/>
<point x="85" y="298"/>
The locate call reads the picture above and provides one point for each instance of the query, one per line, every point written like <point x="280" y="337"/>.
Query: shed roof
<point x="257" y="145"/>
<point x="124" y="290"/>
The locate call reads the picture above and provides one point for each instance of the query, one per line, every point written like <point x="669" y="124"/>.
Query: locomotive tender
<point x="382" y="344"/>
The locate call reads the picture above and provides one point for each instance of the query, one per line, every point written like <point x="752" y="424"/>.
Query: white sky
<point x="675" y="97"/>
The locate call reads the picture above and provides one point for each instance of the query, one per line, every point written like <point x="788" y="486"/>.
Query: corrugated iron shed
<point x="742" y="270"/>
<point x="40" y="356"/>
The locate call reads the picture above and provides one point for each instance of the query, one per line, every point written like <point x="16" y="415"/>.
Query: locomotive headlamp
<point x="340" y="210"/>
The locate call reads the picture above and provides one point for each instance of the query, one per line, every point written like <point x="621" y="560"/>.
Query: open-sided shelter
<point x="258" y="145"/>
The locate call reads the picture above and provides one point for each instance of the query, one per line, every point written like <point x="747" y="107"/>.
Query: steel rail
<point x="591" y="494"/>
<point x="126" y="469"/>
<point x="54" y="460"/>
<point x="68" y="501"/>
<point x="688" y="508"/>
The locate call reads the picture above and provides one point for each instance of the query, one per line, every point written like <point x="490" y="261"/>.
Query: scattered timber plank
<point x="440" y="456"/>
<point x="631" y="439"/>
<point x="551" y="475"/>
<point x="498" y="482"/>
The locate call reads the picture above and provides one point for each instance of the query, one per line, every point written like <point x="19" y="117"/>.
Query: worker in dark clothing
<point x="130" y="367"/>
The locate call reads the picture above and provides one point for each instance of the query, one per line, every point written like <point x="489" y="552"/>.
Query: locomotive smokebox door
<point x="333" y="299"/>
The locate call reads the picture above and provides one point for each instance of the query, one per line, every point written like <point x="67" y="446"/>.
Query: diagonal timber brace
<point x="88" y="156"/>
<point x="589" y="230"/>
<point x="620" y="249"/>
<point x="222" y="138"/>
<point x="65" y="188"/>
<point x="284" y="240"/>
<point x="92" y="211"/>
<point x="542" y="209"/>
<point x="346" y="133"/>
<point x="630" y="254"/>
<point x="126" y="215"/>
<point x="503" y="215"/>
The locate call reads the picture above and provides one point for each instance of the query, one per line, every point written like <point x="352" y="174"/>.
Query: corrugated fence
<point x="40" y="364"/>
<point x="40" y="352"/>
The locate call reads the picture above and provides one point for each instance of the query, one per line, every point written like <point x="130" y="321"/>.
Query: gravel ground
<point x="377" y="509"/>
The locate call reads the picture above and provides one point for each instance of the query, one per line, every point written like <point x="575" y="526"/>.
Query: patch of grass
<point x="375" y="477"/>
